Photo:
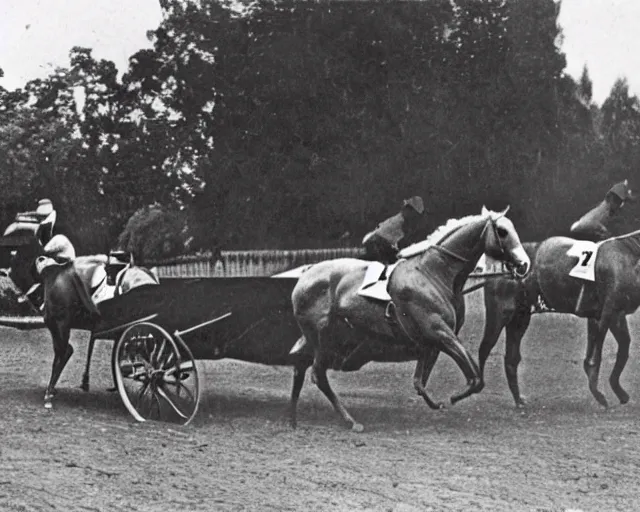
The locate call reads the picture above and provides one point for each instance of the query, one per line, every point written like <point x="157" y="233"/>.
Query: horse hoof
<point x="521" y="403"/>
<point x="623" y="397"/>
<point x="48" y="405"/>
<point x="357" y="427"/>
<point x="602" y="400"/>
<point x="84" y="387"/>
<point x="440" y="406"/>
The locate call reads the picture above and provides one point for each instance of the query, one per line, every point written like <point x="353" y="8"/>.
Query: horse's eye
<point x="502" y="232"/>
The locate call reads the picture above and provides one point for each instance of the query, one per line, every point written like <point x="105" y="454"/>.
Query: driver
<point x="46" y="215"/>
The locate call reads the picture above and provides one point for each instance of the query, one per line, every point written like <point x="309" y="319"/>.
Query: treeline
<point x="303" y="123"/>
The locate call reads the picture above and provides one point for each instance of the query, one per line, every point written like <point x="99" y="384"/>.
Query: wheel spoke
<point x="179" y="385"/>
<point x="181" y="371"/>
<point x="162" y="393"/>
<point x="169" y="360"/>
<point x="154" y="401"/>
<point x="156" y="361"/>
<point x="141" y="392"/>
<point x="156" y="374"/>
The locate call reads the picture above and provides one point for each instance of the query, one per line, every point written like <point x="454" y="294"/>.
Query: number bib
<point x="586" y="252"/>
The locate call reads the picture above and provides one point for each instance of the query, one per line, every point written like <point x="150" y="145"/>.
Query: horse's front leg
<point x="515" y="331"/>
<point x="498" y="313"/>
<point x="62" y="351"/>
<point x="430" y="329"/>
<point x="449" y="343"/>
<point x="424" y="366"/>
<point x="85" y="376"/>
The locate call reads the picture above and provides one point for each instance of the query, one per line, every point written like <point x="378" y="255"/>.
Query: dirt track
<point x="563" y="452"/>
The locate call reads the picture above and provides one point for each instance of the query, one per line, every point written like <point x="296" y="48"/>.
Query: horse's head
<point x="21" y="257"/>
<point x="502" y="242"/>
<point x="597" y="222"/>
<point x="26" y="255"/>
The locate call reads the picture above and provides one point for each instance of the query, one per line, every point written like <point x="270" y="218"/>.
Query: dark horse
<point x="67" y="302"/>
<point x="605" y="302"/>
<point x="427" y="303"/>
<point x="261" y="329"/>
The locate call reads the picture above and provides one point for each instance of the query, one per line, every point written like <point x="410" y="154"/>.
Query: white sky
<point x="604" y="35"/>
<point x="36" y="35"/>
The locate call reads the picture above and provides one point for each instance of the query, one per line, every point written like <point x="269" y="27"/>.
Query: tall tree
<point x="585" y="85"/>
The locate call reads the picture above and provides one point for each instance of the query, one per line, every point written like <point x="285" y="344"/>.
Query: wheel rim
<point x="156" y="375"/>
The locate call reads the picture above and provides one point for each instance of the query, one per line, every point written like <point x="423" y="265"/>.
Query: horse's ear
<point x="485" y="212"/>
<point x="504" y="212"/>
<point x="626" y="183"/>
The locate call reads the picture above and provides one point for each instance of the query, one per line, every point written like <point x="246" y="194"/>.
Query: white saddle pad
<point x="586" y="252"/>
<point x="103" y="292"/>
<point x="372" y="286"/>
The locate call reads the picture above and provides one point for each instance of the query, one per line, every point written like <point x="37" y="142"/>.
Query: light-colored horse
<point x="427" y="304"/>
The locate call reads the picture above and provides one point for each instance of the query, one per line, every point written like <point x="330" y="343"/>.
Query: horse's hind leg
<point x="321" y="380"/>
<point x="319" y="374"/>
<point x="424" y="366"/>
<point x="593" y="358"/>
<point x="85" y="376"/>
<point x="620" y="331"/>
<point x="299" y="373"/>
<point x="515" y="331"/>
<point x="62" y="351"/>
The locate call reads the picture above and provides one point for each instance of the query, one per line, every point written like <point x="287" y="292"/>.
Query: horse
<point x="605" y="303"/>
<point x="67" y="301"/>
<point x="424" y="315"/>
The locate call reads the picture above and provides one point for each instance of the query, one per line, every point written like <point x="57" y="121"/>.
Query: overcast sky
<point x="36" y="35"/>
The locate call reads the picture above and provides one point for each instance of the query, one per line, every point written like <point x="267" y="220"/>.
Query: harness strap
<point x="449" y="252"/>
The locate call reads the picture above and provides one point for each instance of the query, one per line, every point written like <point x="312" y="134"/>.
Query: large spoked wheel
<point x="156" y="375"/>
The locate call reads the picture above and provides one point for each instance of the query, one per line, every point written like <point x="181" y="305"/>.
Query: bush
<point x="155" y="233"/>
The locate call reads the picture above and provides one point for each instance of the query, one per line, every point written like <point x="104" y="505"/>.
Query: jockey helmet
<point x="416" y="203"/>
<point x="45" y="207"/>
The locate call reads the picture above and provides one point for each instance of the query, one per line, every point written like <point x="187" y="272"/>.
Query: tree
<point x="621" y="116"/>
<point x="585" y="86"/>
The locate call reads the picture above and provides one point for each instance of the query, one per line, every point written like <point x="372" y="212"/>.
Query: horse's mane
<point x="440" y="233"/>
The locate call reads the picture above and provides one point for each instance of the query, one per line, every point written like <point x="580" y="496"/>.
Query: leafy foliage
<point x="287" y="123"/>
<point x="154" y="233"/>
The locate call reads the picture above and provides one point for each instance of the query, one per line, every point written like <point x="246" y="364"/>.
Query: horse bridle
<point x="462" y="258"/>
<point x="503" y="253"/>
<point x="449" y="252"/>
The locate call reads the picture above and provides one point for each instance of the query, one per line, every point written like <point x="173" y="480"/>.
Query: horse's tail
<point x="83" y="294"/>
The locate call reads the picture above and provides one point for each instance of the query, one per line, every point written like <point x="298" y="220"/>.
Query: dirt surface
<point x="563" y="452"/>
